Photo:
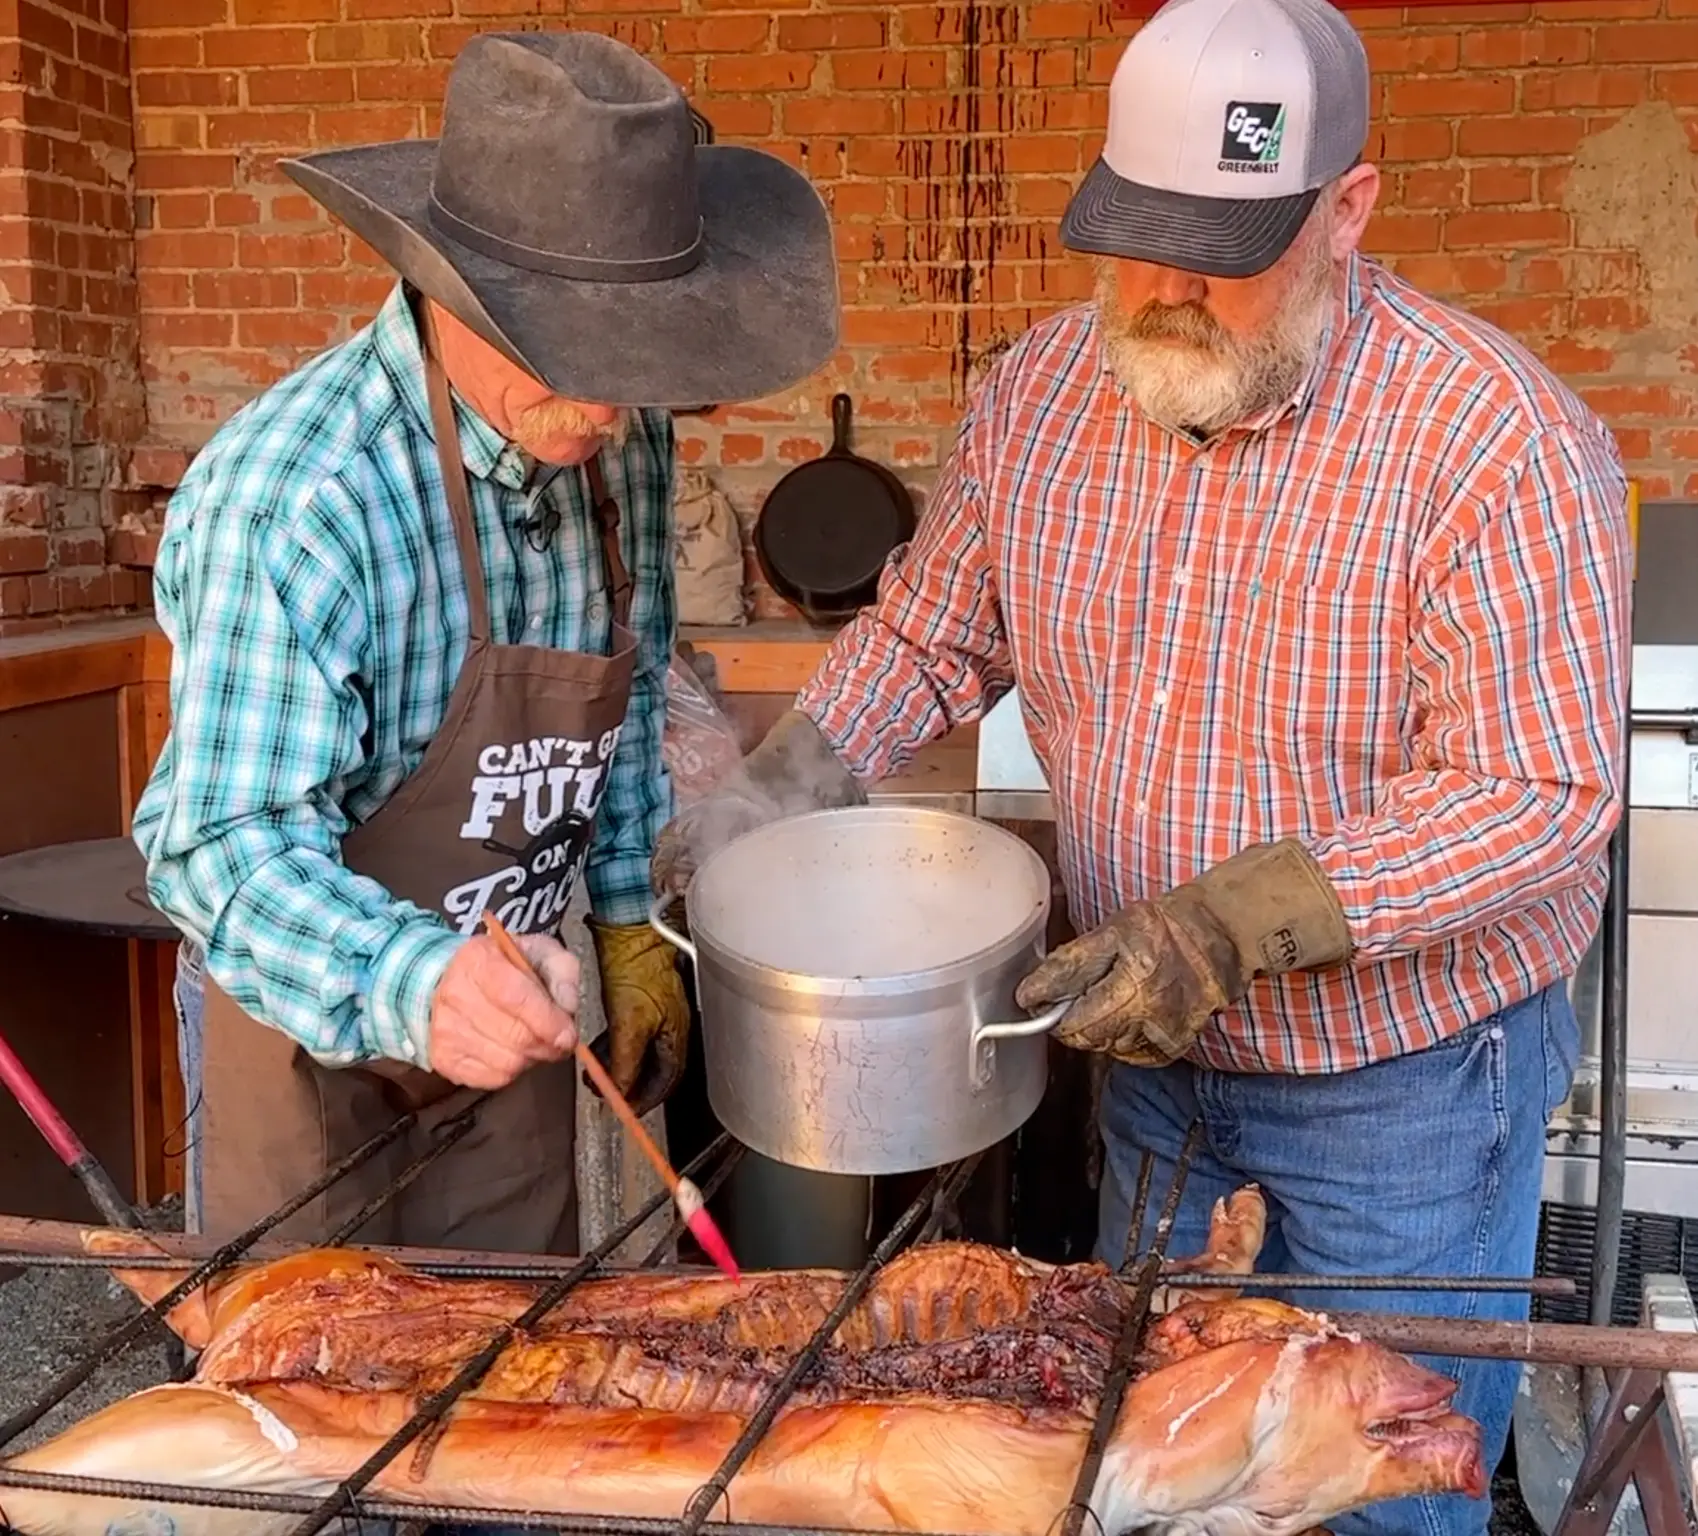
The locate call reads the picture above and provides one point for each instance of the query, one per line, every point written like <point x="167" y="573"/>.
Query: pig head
<point x="1270" y="1436"/>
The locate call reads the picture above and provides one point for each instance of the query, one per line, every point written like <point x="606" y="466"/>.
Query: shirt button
<point x="1159" y="697"/>
<point x="596" y="608"/>
<point x="536" y="621"/>
<point x="1143" y="807"/>
<point x="1181" y="577"/>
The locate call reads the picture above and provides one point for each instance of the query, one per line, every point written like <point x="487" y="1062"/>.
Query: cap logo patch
<point x="1251" y="139"/>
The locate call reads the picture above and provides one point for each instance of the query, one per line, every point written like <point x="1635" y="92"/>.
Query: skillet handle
<point x="841" y="407"/>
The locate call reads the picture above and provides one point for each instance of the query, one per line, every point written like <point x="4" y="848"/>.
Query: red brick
<point x="1450" y="96"/>
<point x="1490" y="184"/>
<point x="156" y="171"/>
<point x="259" y="45"/>
<point x="1520" y="135"/>
<point x="715" y="34"/>
<point x="762" y="72"/>
<point x="364" y="125"/>
<point x="400" y="82"/>
<point x="828" y="114"/>
<point x="1515" y="48"/>
<point x="1647" y="42"/>
<point x="308" y="251"/>
<point x="23" y="551"/>
<point x="370" y="40"/>
<point x="1506" y="228"/>
<point x="186" y="88"/>
<point x="285" y="329"/>
<point x="236" y="130"/>
<point x="283" y="12"/>
<point x="292" y="87"/>
<point x="741" y="448"/>
<point x="854" y="29"/>
<point x="1561" y="89"/>
<point x="245" y="290"/>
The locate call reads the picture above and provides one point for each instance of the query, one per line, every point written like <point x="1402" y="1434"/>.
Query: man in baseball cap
<point x="1315" y="592"/>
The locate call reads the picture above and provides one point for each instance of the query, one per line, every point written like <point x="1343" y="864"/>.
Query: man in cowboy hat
<point x="420" y="598"/>
<point x="1315" y="591"/>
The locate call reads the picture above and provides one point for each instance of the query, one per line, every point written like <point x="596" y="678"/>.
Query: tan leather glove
<point x="648" y="1015"/>
<point x="1151" y="977"/>
<point x="792" y="770"/>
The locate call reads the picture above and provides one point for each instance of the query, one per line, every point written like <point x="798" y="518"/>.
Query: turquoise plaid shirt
<point x="310" y="586"/>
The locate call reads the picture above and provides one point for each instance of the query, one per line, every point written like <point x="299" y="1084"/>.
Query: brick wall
<point x="70" y="390"/>
<point x="1538" y="159"/>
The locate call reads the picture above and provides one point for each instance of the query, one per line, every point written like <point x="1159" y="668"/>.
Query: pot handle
<point x="670" y="934"/>
<point x="981" y="1050"/>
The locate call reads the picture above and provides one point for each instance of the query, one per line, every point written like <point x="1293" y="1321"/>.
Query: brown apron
<point x="499" y="815"/>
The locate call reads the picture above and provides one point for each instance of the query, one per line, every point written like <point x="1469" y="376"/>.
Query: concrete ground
<point x="50" y="1317"/>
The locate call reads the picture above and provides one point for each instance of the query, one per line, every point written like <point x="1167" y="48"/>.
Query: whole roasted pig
<point x="956" y="1398"/>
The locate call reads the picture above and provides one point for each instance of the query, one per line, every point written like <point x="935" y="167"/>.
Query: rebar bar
<point x="154" y="1314"/>
<point x="1533" y="1285"/>
<point x="710" y="1187"/>
<point x="1146" y="1275"/>
<point x="384" y="1509"/>
<point x="342" y="1499"/>
<point x="948" y="1182"/>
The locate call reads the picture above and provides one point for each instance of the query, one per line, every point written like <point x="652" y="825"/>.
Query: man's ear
<point x="1353" y="197"/>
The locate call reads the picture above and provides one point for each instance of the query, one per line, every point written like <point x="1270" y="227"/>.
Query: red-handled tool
<point x="71" y="1152"/>
<point x="685" y="1195"/>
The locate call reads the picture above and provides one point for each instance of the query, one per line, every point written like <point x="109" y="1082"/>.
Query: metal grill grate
<point x="1650" y="1245"/>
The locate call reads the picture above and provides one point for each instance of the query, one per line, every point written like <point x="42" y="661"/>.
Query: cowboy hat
<point x="569" y="218"/>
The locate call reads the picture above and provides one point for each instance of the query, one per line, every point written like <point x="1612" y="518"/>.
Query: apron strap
<point x="454" y="477"/>
<point x="606" y="511"/>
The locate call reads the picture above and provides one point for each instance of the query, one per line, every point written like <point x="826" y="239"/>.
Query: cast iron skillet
<point x="826" y="529"/>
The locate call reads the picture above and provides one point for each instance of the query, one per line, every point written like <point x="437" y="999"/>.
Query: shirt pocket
<point x="1318" y="713"/>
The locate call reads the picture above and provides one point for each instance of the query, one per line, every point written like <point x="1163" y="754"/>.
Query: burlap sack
<point x="708" y="553"/>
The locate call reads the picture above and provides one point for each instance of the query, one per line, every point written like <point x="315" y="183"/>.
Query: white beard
<point x="1202" y="376"/>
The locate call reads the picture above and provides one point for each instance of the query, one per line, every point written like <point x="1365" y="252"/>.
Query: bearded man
<point x="1315" y="591"/>
<point x="420" y="597"/>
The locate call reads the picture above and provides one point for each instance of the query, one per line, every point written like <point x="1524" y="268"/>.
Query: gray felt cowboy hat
<point x="568" y="216"/>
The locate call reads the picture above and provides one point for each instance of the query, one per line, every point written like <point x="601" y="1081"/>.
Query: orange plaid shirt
<point x="1389" y="618"/>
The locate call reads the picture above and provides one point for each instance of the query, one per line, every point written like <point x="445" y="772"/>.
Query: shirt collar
<point x="486" y="454"/>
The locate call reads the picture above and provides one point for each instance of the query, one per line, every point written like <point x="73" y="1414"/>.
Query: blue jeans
<point x="1424" y="1164"/>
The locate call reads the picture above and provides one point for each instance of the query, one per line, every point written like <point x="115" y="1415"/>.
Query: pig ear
<point x="190" y="1319"/>
<point x="1237" y="1229"/>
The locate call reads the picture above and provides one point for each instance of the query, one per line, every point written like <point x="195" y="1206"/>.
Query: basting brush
<point x="685" y="1195"/>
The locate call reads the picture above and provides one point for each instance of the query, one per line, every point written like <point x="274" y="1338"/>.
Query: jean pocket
<point x="1560" y="1035"/>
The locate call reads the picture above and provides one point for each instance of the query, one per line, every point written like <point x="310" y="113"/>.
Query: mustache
<point x="560" y="418"/>
<point x="1188" y="322"/>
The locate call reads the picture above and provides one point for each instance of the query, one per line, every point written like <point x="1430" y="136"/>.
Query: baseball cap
<point x="1225" y="120"/>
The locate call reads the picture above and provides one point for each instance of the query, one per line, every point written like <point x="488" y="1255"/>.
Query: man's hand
<point x="1150" y="978"/>
<point x="648" y="1016"/>
<point x="792" y="770"/>
<point x="489" y="1021"/>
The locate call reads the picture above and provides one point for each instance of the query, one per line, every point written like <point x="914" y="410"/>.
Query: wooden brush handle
<point x="605" y="1085"/>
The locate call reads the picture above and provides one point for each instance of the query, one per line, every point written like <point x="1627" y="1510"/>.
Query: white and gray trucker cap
<point x="1225" y="120"/>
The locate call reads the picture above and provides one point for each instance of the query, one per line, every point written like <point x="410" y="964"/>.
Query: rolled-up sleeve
<point x="932" y="653"/>
<point x="1519" y="663"/>
<point x="241" y="835"/>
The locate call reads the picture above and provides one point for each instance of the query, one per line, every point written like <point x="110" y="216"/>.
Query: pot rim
<point x="723" y="956"/>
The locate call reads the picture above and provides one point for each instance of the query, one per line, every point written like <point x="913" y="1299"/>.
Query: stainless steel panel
<point x="1662" y="850"/>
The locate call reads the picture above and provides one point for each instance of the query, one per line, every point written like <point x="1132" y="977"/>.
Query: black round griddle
<point x="98" y="886"/>
<point x="826" y="529"/>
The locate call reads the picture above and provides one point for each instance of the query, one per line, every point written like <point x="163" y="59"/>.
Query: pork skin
<point x="956" y="1398"/>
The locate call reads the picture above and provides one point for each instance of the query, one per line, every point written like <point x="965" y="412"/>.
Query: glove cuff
<point x="617" y="945"/>
<point x="1279" y="908"/>
<point x="795" y="766"/>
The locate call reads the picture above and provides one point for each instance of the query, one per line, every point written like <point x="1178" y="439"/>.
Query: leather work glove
<point x="791" y="771"/>
<point x="1150" y="978"/>
<point x="648" y="1015"/>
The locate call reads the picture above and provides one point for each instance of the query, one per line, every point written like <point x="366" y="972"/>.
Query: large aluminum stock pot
<point x="855" y="970"/>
